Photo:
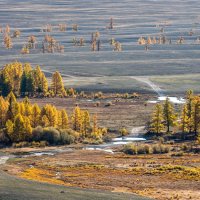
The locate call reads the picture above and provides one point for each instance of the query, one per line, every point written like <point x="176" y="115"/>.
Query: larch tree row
<point x="23" y="80"/>
<point x="20" y="118"/>
<point x="188" y="121"/>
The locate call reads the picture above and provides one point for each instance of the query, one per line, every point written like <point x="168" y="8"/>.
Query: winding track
<point x="148" y="82"/>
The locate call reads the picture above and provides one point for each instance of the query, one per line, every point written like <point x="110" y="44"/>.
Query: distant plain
<point x="109" y="70"/>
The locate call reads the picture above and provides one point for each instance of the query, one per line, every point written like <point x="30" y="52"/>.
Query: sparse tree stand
<point x="142" y="41"/>
<point x="169" y="115"/>
<point x="95" y="41"/>
<point x="157" y="120"/>
<point x="47" y="28"/>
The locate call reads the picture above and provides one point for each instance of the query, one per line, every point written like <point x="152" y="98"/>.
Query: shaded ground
<point x="12" y="188"/>
<point x="158" y="176"/>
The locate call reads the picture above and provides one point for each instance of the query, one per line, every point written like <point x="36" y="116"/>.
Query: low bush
<point x="123" y="132"/>
<point x="178" y="154"/>
<point x="130" y="149"/>
<point x="51" y="135"/>
<point x="145" y="149"/>
<point x="92" y="141"/>
<point x="4" y="139"/>
<point x="185" y="147"/>
<point x="108" y="104"/>
<point x="73" y="133"/>
<point x="66" y="138"/>
<point x="97" y="104"/>
<point x="21" y="144"/>
<point x="30" y="144"/>
<point x="37" y="133"/>
<point x="107" y="138"/>
<point x="159" y="149"/>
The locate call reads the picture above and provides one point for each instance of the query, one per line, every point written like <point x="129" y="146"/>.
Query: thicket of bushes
<point x="44" y="136"/>
<point x="145" y="149"/>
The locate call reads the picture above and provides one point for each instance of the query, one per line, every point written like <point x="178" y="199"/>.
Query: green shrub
<point x="164" y="149"/>
<point x="104" y="131"/>
<point x="21" y="144"/>
<point x="37" y="133"/>
<point x="126" y="95"/>
<point x="130" y="149"/>
<point x="66" y="138"/>
<point x="97" y="104"/>
<point x="107" y="138"/>
<point x="51" y="135"/>
<point x="144" y="149"/>
<point x="123" y="132"/>
<point x="4" y="139"/>
<point x="39" y="144"/>
<point x="73" y="133"/>
<point x="108" y="104"/>
<point x="156" y="149"/>
<point x="161" y="140"/>
<point x="185" y="147"/>
<point x="30" y="144"/>
<point x="159" y="149"/>
<point x="178" y="154"/>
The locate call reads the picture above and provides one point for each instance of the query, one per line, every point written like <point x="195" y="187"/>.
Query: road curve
<point x="13" y="188"/>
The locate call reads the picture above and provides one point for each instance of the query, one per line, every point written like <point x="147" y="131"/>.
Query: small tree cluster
<point x="163" y="117"/>
<point x="153" y="40"/>
<point x="95" y="41"/>
<point x="187" y="121"/>
<point x="20" y="118"/>
<point x="23" y="80"/>
<point x="51" y="45"/>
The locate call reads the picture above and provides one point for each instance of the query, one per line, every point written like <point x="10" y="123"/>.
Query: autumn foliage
<point x="186" y="121"/>
<point x="23" y="80"/>
<point x="22" y="121"/>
